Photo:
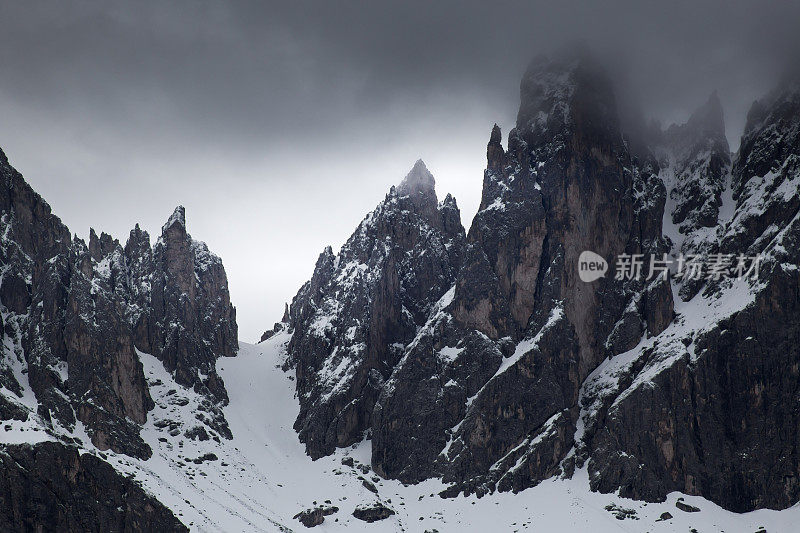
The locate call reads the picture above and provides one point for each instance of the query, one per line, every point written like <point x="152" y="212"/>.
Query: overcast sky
<point x="279" y="126"/>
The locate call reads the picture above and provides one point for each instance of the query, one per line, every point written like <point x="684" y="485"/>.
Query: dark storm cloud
<point x="252" y="71"/>
<point x="279" y="125"/>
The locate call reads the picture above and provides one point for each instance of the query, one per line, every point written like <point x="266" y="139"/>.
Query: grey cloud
<point x="118" y="111"/>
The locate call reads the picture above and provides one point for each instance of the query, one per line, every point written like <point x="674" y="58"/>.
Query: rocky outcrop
<point x="496" y="373"/>
<point x="707" y="410"/>
<point x="75" y="318"/>
<point x="715" y="422"/>
<point x="51" y="487"/>
<point x="373" y="513"/>
<point x="361" y="307"/>
<point x="700" y="158"/>
<point x="518" y="370"/>
<point x="695" y="163"/>
<point x="316" y="516"/>
<point x="181" y="311"/>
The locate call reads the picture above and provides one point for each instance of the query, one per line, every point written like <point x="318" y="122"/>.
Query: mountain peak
<point x="709" y="117"/>
<point x="178" y="217"/>
<point x="705" y="128"/>
<point x="566" y="89"/>
<point x="419" y="181"/>
<point x="495" y="155"/>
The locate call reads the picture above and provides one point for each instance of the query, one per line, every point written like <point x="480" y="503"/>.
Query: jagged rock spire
<point x="178" y="217"/>
<point x="419" y="187"/>
<point x="419" y="181"/>
<point x="709" y="118"/>
<point x="495" y="155"/>
<point x="366" y="302"/>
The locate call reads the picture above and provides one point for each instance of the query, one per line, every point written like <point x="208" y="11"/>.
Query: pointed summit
<point x="363" y="304"/>
<point x="709" y="118"/>
<point x="178" y="217"/>
<point x="495" y="155"/>
<point x="705" y="129"/>
<point x="419" y="181"/>
<point x="496" y="136"/>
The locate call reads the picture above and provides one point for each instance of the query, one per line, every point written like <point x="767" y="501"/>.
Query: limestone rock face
<point x="76" y="316"/>
<point x="695" y="163"/>
<point x="498" y="349"/>
<point x="707" y="409"/>
<point x="510" y="369"/>
<point x="189" y="316"/>
<point x="51" y="487"/>
<point x="701" y="159"/>
<point x="501" y="364"/>
<point x="363" y="305"/>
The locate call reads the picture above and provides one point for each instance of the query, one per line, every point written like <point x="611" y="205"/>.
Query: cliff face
<point x="522" y="331"/>
<point x="181" y="309"/>
<point x="51" y="487"/>
<point x="511" y="369"/>
<point x="363" y="305"/>
<point x="76" y="317"/>
<point x="708" y="409"/>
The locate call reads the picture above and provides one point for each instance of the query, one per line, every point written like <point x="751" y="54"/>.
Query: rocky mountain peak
<point x="138" y="237"/>
<point x="82" y="314"/>
<point x="772" y="135"/>
<point x="495" y="155"/>
<point x="178" y="217"/>
<point x="417" y="191"/>
<point x="177" y="254"/>
<point x="364" y="304"/>
<point x="101" y="246"/>
<point x="496" y="136"/>
<point x="449" y="201"/>
<point x="709" y="117"/>
<point x="501" y="357"/>
<point x="418" y="182"/>
<point x="696" y="157"/>
<point x="705" y="130"/>
<point x="567" y="90"/>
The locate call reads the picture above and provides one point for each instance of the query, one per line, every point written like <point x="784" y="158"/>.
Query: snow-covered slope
<point x="262" y="478"/>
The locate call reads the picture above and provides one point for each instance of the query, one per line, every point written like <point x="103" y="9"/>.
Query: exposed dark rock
<point x="189" y="316"/>
<point x="702" y="161"/>
<point x="362" y="306"/>
<point x="369" y="486"/>
<point x="51" y="487"/>
<point x="316" y="516"/>
<point x="75" y="317"/>
<point x="78" y="313"/>
<point x="499" y="367"/>
<point x="523" y="331"/>
<point x="310" y="517"/>
<point x="686" y="507"/>
<point x="277" y="328"/>
<point x="715" y="421"/>
<point x="373" y="513"/>
<point x="621" y="513"/>
<point x="197" y="433"/>
<point x="205" y="457"/>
